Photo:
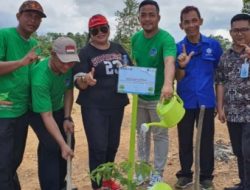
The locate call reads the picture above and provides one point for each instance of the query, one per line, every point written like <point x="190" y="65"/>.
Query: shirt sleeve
<point x="2" y="47"/>
<point x="219" y="52"/>
<point x="169" y="47"/>
<point x="219" y="75"/>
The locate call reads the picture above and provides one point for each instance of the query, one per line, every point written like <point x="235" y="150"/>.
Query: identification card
<point x="244" y="71"/>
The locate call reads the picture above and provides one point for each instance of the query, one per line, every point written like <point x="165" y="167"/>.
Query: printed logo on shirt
<point x="112" y="61"/>
<point x="4" y="101"/>
<point x="67" y="82"/>
<point x="153" y="52"/>
<point x="105" y="57"/>
<point x="209" y="52"/>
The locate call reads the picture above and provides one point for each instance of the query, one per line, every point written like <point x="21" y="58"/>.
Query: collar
<point x="203" y="39"/>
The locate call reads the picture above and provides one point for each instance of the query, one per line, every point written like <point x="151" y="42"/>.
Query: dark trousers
<point x="13" y="134"/>
<point x="102" y="128"/>
<point x="52" y="167"/>
<point x="185" y="137"/>
<point x="240" y="138"/>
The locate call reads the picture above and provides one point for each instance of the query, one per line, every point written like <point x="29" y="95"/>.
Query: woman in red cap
<point x="102" y="108"/>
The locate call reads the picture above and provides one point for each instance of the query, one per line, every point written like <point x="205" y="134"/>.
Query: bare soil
<point x="225" y="173"/>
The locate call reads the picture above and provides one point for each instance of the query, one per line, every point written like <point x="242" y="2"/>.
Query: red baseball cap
<point x="97" y="20"/>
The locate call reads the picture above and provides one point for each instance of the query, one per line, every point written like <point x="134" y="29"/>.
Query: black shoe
<point x="207" y="185"/>
<point x="238" y="186"/>
<point x="183" y="182"/>
<point x="74" y="188"/>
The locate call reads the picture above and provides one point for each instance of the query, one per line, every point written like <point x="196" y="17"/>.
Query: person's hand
<point x="246" y="53"/>
<point x="66" y="152"/>
<point x="183" y="59"/>
<point x="30" y="57"/>
<point x="5" y="103"/>
<point x="221" y="116"/>
<point x="89" y="78"/>
<point x="68" y="126"/>
<point x="166" y="91"/>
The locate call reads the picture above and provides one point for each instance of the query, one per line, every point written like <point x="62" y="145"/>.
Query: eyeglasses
<point x="239" y="30"/>
<point x="103" y="29"/>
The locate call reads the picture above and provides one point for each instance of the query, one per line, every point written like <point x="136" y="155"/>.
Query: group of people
<point x="39" y="92"/>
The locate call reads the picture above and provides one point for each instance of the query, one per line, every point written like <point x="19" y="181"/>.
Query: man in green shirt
<point x="17" y="53"/>
<point x="52" y="99"/>
<point x="153" y="47"/>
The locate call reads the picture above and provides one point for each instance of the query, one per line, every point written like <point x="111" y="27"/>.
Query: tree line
<point x="127" y="25"/>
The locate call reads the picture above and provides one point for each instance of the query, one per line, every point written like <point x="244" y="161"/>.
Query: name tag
<point x="244" y="71"/>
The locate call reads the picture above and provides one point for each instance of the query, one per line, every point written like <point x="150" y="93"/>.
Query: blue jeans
<point x="13" y="135"/>
<point x="240" y="138"/>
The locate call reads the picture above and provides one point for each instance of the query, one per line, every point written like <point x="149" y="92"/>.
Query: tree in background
<point x="224" y="42"/>
<point x="128" y="23"/>
<point x="45" y="41"/>
<point x="246" y="6"/>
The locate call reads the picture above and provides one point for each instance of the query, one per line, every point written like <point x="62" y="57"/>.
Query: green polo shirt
<point x="48" y="88"/>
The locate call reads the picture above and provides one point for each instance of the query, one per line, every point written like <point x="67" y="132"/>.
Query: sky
<point x="65" y="16"/>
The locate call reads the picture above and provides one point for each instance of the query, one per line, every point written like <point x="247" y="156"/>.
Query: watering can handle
<point x="161" y="101"/>
<point x="178" y="98"/>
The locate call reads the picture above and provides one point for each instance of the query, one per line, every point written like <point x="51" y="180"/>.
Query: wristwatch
<point x="69" y="118"/>
<point x="181" y="68"/>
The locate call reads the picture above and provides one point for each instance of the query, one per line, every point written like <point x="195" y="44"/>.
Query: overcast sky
<point x="72" y="15"/>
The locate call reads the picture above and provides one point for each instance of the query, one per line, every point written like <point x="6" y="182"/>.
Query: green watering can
<point x="161" y="186"/>
<point x="170" y="112"/>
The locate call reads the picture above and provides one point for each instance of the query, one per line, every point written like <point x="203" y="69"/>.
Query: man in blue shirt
<point x="198" y="58"/>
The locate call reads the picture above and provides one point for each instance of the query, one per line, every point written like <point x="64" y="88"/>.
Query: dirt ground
<point x="225" y="174"/>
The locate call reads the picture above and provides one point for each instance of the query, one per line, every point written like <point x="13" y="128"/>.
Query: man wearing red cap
<point x="17" y="52"/>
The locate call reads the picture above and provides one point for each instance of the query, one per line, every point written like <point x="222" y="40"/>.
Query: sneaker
<point x="183" y="182"/>
<point x="139" y="180"/>
<point x="110" y="184"/>
<point x="154" y="178"/>
<point x="206" y="185"/>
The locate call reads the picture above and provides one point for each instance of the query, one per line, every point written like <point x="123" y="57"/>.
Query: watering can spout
<point x="157" y="124"/>
<point x="145" y="126"/>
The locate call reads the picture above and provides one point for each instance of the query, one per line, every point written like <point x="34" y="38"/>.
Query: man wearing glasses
<point x="234" y="108"/>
